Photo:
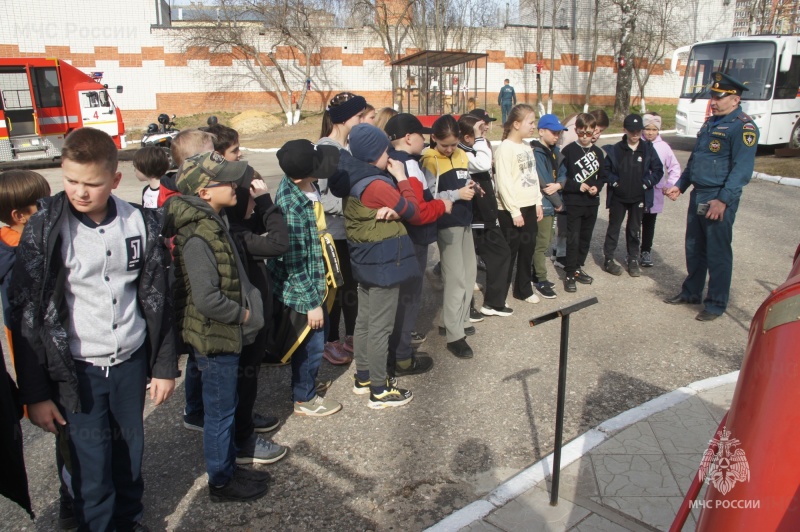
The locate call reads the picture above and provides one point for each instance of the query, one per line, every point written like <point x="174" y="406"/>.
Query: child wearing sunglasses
<point x="582" y="169"/>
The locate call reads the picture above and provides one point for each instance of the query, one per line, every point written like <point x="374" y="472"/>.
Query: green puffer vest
<point x="205" y="335"/>
<point x="381" y="252"/>
<point x="362" y="227"/>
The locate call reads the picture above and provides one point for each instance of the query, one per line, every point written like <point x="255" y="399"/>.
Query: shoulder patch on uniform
<point x="749" y="127"/>
<point x="749" y="138"/>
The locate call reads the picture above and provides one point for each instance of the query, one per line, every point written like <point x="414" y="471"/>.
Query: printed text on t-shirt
<point x="588" y="166"/>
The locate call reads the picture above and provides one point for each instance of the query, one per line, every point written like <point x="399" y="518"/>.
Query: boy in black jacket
<point x="90" y="292"/>
<point x="583" y="177"/>
<point x="633" y="168"/>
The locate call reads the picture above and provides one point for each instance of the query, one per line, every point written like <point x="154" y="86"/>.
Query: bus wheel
<point x="794" y="139"/>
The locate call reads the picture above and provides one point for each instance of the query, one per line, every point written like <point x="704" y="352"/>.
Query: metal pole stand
<point x="562" y="313"/>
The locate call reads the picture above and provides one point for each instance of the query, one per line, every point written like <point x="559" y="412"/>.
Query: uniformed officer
<point x="506" y="99"/>
<point x="720" y="165"/>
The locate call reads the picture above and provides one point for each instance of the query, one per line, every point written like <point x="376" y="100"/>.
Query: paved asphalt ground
<point x="473" y="423"/>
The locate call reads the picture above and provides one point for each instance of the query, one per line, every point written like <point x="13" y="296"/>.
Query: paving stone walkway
<point x="634" y="478"/>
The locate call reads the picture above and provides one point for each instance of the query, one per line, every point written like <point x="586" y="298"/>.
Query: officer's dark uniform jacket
<point x="45" y="367"/>
<point x="723" y="158"/>
<point x="619" y="175"/>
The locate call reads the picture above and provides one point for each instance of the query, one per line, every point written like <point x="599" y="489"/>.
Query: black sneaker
<point x="195" y="423"/>
<point x="646" y="259"/>
<point x="633" y="268"/>
<point x="569" y="283"/>
<point x="582" y="277"/>
<point x="460" y="348"/>
<point x="390" y="397"/>
<point x="238" y="489"/>
<point x="468" y="331"/>
<point x="66" y="514"/>
<point x="481" y="264"/>
<point x="545" y="291"/>
<point x="265" y="423"/>
<point x="253" y="475"/>
<point x="474" y="315"/>
<point x="612" y="267"/>
<point x="420" y="363"/>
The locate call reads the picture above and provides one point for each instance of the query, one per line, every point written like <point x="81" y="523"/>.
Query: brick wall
<point x="159" y="75"/>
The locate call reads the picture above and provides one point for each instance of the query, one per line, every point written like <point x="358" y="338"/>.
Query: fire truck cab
<point x="42" y="100"/>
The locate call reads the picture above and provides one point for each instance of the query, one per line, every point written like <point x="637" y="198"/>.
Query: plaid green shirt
<point x="299" y="274"/>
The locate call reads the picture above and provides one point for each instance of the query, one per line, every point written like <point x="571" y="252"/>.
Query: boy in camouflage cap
<point x="216" y="309"/>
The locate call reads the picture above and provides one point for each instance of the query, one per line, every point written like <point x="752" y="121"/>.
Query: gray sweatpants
<point x="459" y="269"/>
<point x="376" y="311"/>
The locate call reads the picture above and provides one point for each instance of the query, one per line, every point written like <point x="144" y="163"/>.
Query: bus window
<point x="703" y="61"/>
<point x="788" y="85"/>
<point x="45" y="87"/>
<point x="753" y="64"/>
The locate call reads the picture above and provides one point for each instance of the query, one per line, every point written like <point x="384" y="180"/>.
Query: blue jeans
<point x="106" y="444"/>
<point x="306" y="361"/>
<point x="219" y="374"/>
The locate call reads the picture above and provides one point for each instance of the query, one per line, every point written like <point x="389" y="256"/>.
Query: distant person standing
<point x="719" y="168"/>
<point x="506" y="99"/>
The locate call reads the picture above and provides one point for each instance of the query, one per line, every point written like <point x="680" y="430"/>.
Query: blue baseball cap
<point x="550" y="122"/>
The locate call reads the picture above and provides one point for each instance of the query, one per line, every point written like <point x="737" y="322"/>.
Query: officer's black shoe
<point x="612" y="267"/>
<point x="679" y="300"/>
<point x="706" y="316"/>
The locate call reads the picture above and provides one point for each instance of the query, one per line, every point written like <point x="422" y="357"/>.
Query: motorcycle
<point x="161" y="136"/>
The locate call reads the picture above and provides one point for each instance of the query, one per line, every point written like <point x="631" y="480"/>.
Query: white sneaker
<point x="533" y="298"/>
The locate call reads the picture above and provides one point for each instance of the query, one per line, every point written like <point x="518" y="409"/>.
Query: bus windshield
<point x="752" y="63"/>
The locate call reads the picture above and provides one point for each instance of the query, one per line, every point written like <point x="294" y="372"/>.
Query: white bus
<point x="770" y="67"/>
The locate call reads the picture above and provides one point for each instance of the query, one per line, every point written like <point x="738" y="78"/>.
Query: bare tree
<point x="539" y="14"/>
<point x="628" y="14"/>
<point x="255" y="30"/>
<point x="595" y="43"/>
<point x="759" y="17"/>
<point x="658" y="30"/>
<point x="391" y="22"/>
<point x="555" y="5"/>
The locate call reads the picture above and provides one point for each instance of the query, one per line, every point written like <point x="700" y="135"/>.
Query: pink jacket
<point x="672" y="171"/>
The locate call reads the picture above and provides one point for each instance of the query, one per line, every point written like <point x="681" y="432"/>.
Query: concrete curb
<point x="260" y="150"/>
<point x="790" y="181"/>
<point x="572" y="451"/>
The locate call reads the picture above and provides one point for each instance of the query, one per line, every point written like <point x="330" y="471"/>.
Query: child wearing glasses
<point x="582" y="169"/>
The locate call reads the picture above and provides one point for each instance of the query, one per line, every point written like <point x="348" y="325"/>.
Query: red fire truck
<point x="42" y="100"/>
